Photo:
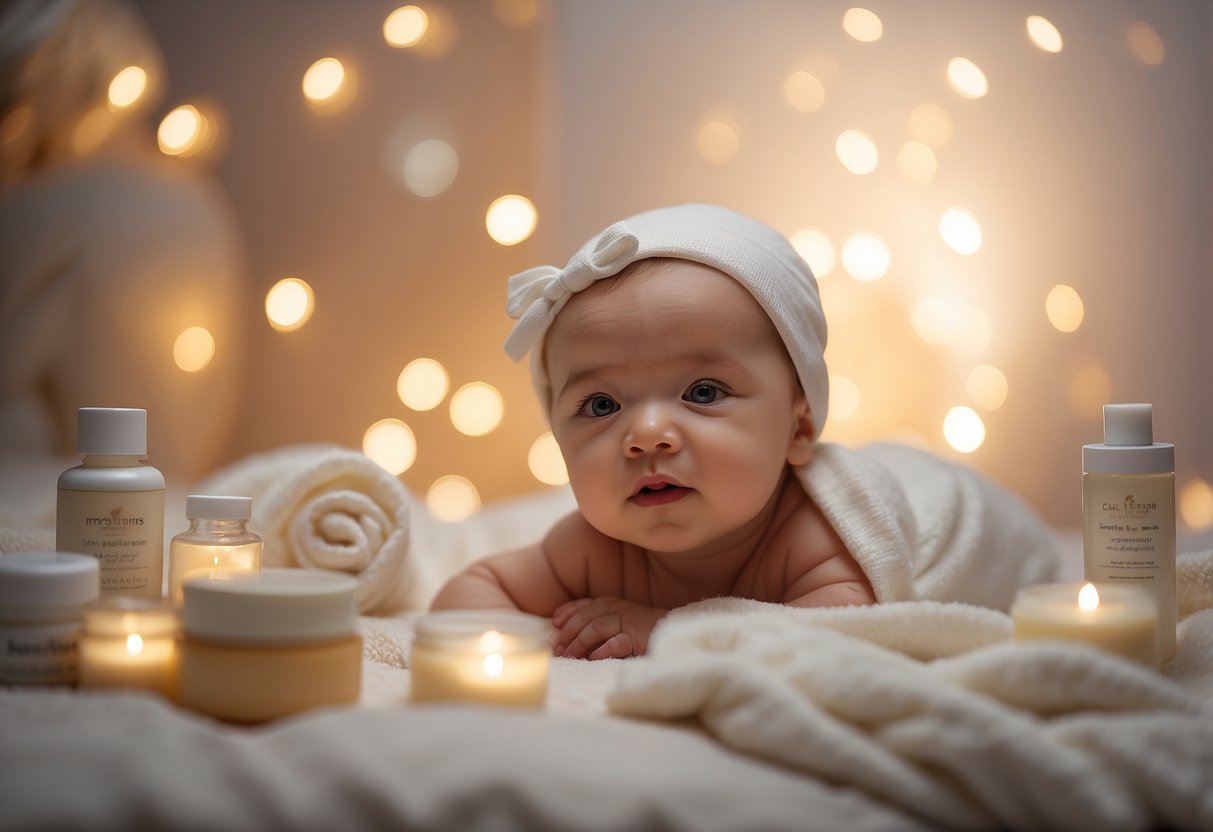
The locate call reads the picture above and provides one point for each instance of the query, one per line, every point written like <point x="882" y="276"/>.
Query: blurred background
<point x="292" y="220"/>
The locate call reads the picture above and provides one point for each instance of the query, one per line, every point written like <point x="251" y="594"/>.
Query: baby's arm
<point x="820" y="571"/>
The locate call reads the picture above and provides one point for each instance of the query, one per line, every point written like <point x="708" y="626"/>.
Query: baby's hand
<point x="603" y="628"/>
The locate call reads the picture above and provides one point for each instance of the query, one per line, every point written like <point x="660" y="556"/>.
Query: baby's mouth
<point x="658" y="494"/>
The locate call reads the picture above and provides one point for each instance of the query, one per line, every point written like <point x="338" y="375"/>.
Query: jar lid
<point x="124" y="616"/>
<point x="279" y="606"/>
<point x="214" y="507"/>
<point x="32" y="580"/>
<point x="121" y="431"/>
<point x="468" y="628"/>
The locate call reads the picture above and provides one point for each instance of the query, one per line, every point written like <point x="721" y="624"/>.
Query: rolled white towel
<point x="328" y="507"/>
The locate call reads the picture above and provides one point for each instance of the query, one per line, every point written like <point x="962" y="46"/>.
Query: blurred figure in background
<point x="109" y="251"/>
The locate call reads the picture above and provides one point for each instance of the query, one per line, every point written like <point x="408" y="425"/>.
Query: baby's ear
<point x="800" y="446"/>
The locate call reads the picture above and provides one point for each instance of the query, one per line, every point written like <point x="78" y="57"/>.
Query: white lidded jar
<point x="1128" y="512"/>
<point x="111" y="506"/>
<point x="42" y="600"/>
<point x="217" y="542"/>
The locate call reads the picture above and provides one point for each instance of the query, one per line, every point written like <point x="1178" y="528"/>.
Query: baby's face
<point x="675" y="405"/>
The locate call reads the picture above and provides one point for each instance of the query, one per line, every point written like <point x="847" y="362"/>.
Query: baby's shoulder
<point x="577" y="551"/>
<point x="805" y="536"/>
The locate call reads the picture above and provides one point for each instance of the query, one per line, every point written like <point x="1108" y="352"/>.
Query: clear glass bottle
<point x="218" y="541"/>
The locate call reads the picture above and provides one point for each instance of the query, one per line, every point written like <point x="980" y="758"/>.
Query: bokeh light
<point x="856" y="151"/>
<point x="289" y="304"/>
<point x="1064" y="308"/>
<point x="963" y="429"/>
<point x="804" y="91"/>
<point x="1145" y="44"/>
<point x="1044" y="34"/>
<point x="127" y="87"/>
<point x="93" y="129"/>
<point x="934" y="320"/>
<point x="511" y="219"/>
<point x="194" y="348"/>
<point x="960" y="230"/>
<point x="863" y="25"/>
<point x="917" y="163"/>
<point x="423" y="384"/>
<point x="866" y="256"/>
<point x="323" y="80"/>
<point x="516" y="13"/>
<point x="452" y="498"/>
<point x="476" y="409"/>
<point x="987" y="386"/>
<point x="430" y="167"/>
<point x="545" y="461"/>
<point x="815" y="247"/>
<point x="932" y="125"/>
<point x="1196" y="504"/>
<point x="405" y="26"/>
<point x="718" y="137"/>
<point x="187" y="131"/>
<point x="844" y="398"/>
<point x="967" y="78"/>
<point x="391" y="444"/>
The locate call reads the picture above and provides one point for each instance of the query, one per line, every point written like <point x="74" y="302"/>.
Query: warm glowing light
<point x="1064" y="308"/>
<point x="405" y="26"/>
<point x="815" y="247"/>
<point x="931" y="125"/>
<point x="323" y="79"/>
<point x="1196" y="504"/>
<point x="491" y="642"/>
<point x="917" y="164"/>
<point x="974" y="332"/>
<point x="1088" y="598"/>
<point x="967" y="78"/>
<point x="1145" y="45"/>
<point x="935" y="320"/>
<point x="452" y="498"/>
<point x="391" y="444"/>
<point x="423" y="384"/>
<point x="856" y="151"/>
<point x="988" y="387"/>
<point x="127" y="87"/>
<point x="429" y="167"/>
<point x="963" y="429"/>
<point x="866" y="256"/>
<point x="289" y="304"/>
<point x="493" y="664"/>
<point x="804" y="91"/>
<point x="863" y="25"/>
<point x="476" y="409"/>
<point x="180" y="131"/>
<point x="511" y="219"/>
<point x="134" y="644"/>
<point x="92" y="130"/>
<point x="960" y="230"/>
<point x="1044" y="34"/>
<point x="1087" y="391"/>
<point x="844" y="398"/>
<point x="516" y="13"/>
<point x="193" y="349"/>
<point x="718" y="138"/>
<point x="546" y="462"/>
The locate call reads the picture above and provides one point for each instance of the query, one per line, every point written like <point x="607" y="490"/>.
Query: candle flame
<point x="1088" y="597"/>
<point x="494" y="663"/>
<point x="216" y="560"/>
<point x="490" y="642"/>
<point x="134" y="644"/>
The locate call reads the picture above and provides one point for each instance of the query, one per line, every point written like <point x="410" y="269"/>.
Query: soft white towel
<point x="327" y="507"/>
<point x="988" y="734"/>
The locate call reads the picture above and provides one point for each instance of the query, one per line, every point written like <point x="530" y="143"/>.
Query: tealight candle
<point x="1121" y="619"/>
<point x="495" y="658"/>
<point x="129" y="643"/>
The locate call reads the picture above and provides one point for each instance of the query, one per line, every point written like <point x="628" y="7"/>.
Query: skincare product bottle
<point x="111" y="506"/>
<point x="217" y="542"/>
<point x="1128" y="512"/>
<point x="42" y="600"/>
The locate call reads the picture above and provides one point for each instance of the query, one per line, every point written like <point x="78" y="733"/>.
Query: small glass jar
<point x="490" y="657"/>
<point x="260" y="646"/>
<point x="42" y="601"/>
<point x="218" y="541"/>
<point x="129" y="643"/>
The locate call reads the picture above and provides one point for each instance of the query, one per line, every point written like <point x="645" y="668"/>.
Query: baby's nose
<point x="652" y="429"/>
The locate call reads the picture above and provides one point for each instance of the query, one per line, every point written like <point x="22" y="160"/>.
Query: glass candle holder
<point x="489" y="657"/>
<point x="129" y="643"/>
<point x="1120" y="619"/>
<point x="217" y="542"/>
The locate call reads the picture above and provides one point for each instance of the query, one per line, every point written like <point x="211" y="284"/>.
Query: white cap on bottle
<point x="213" y="507"/>
<point x="1128" y="446"/>
<point x="117" y="431"/>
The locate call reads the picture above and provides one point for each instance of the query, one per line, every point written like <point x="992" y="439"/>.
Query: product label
<point x="124" y="530"/>
<point x="38" y="654"/>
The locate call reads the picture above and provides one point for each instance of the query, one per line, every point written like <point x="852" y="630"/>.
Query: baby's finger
<point x="618" y="646"/>
<point x="560" y="615"/>
<point x="596" y="633"/>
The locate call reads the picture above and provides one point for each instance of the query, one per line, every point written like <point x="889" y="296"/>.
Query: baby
<point x="680" y="360"/>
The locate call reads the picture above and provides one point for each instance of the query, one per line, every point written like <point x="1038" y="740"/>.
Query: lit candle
<point x="1121" y="619"/>
<point x="129" y="643"/>
<point x="496" y="658"/>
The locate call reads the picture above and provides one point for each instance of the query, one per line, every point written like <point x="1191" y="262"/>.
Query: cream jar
<point x="42" y="601"/>
<point x="260" y="646"/>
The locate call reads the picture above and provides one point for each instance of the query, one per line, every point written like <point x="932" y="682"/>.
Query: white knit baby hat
<point x="751" y="252"/>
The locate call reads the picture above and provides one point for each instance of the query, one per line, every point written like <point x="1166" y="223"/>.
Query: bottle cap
<point x="1128" y="446"/>
<point x="213" y="507"/>
<point x="38" y="580"/>
<point x="273" y="606"/>
<point x="117" y="431"/>
<point x="1128" y="424"/>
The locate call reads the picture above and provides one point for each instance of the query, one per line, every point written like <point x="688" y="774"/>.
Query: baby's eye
<point x="597" y="404"/>
<point x="703" y="392"/>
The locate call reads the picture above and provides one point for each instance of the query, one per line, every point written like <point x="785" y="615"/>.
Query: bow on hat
<point x="537" y="295"/>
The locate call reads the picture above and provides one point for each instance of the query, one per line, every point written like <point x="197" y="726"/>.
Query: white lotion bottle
<point x="111" y="506"/>
<point x="1128" y="512"/>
